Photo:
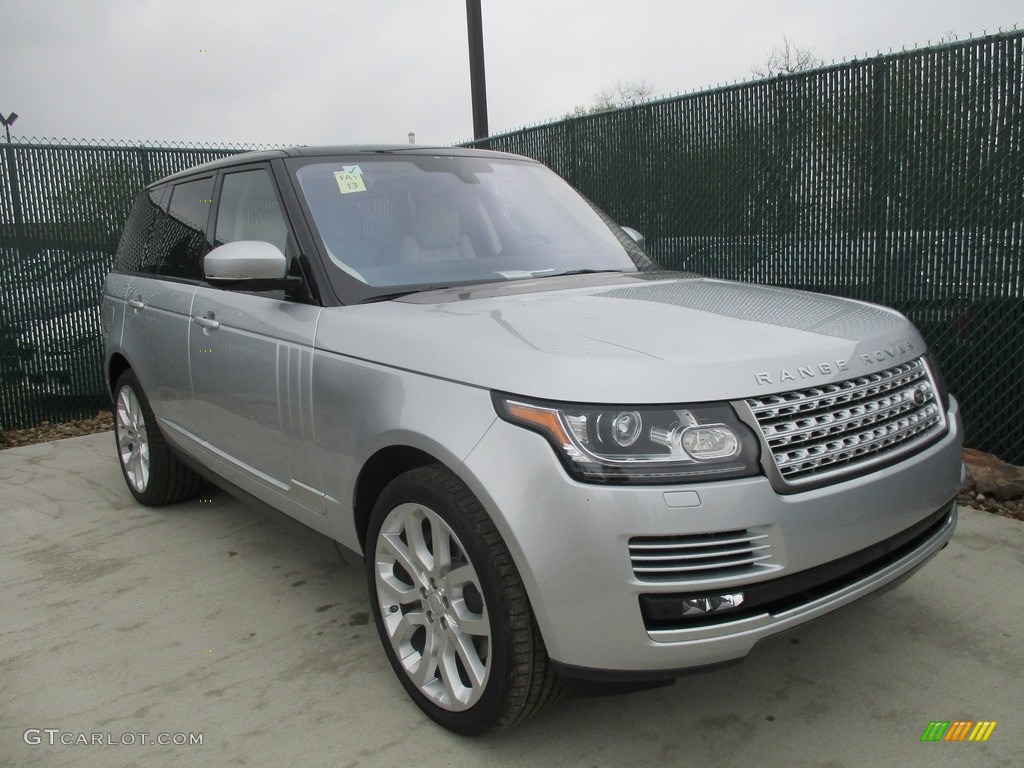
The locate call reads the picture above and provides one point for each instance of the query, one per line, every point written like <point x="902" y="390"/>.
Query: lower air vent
<point x="700" y="556"/>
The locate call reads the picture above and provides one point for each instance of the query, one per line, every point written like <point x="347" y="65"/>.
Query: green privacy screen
<point x="897" y="179"/>
<point x="62" y="207"/>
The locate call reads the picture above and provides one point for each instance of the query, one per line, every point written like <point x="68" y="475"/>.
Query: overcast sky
<point x="342" y="72"/>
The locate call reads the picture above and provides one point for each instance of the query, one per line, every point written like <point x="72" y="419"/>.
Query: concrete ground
<point x="212" y="618"/>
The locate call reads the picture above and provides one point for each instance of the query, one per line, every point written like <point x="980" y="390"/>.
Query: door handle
<point x="136" y="304"/>
<point x="206" y="322"/>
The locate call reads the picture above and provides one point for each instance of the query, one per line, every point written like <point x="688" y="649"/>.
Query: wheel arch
<point x="379" y="470"/>
<point x="117" y="365"/>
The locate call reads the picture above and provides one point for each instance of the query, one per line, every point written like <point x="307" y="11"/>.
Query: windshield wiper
<point x="581" y="272"/>
<point x="410" y="291"/>
<point x="400" y="294"/>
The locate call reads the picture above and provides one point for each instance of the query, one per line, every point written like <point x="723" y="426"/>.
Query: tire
<point x="153" y="474"/>
<point x="457" y="627"/>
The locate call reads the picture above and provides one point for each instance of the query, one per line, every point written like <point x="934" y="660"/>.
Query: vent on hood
<point x="786" y="308"/>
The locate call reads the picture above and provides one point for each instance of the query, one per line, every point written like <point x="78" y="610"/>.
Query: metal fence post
<point x="143" y="157"/>
<point x="19" y="219"/>
<point x="880" y="178"/>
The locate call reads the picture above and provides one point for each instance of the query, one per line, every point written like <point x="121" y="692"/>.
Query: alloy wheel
<point x="132" y="439"/>
<point x="432" y="607"/>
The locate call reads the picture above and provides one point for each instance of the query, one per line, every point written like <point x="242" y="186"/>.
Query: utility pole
<point x="476" y="69"/>
<point x="12" y="172"/>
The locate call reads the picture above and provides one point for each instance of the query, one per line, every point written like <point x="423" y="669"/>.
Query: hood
<point x="635" y="341"/>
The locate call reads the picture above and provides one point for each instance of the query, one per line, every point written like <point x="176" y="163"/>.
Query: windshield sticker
<point x="350" y="179"/>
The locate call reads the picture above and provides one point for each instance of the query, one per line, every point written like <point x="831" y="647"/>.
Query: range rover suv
<point x="561" y="465"/>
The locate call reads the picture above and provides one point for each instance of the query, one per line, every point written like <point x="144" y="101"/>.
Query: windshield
<point x="422" y="221"/>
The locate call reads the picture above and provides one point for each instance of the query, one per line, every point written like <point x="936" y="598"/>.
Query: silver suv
<point x="562" y="466"/>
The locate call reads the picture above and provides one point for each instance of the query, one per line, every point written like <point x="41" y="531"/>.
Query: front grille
<point x="699" y="556"/>
<point x="845" y="427"/>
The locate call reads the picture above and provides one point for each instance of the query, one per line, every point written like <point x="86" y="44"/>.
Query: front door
<point x="250" y="357"/>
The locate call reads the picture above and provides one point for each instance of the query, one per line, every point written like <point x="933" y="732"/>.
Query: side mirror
<point x="636" y="236"/>
<point x="248" y="265"/>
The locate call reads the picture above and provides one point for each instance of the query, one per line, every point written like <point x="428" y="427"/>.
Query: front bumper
<point x="825" y="548"/>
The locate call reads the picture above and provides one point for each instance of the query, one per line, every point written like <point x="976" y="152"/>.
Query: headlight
<point x="640" y="444"/>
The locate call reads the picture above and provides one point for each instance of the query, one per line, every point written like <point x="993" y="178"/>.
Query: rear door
<point x="158" y="299"/>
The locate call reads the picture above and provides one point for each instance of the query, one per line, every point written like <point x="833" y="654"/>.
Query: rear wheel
<point x="451" y="609"/>
<point x="153" y="474"/>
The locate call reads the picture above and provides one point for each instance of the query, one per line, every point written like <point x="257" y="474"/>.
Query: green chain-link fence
<point x="898" y="179"/>
<point x="62" y="207"/>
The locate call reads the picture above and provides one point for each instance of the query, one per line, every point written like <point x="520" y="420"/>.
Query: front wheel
<point x="451" y="609"/>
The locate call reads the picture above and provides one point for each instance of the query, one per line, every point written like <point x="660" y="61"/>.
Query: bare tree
<point x="787" y="59"/>
<point x="622" y="93"/>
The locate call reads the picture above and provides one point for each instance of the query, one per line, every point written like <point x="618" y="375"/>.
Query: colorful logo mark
<point x="958" y="730"/>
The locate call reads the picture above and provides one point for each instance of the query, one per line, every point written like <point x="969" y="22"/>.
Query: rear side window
<point x="131" y="255"/>
<point x="249" y="210"/>
<point x="180" y="239"/>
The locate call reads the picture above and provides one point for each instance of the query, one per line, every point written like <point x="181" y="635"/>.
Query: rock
<point x="12" y="438"/>
<point x="991" y="477"/>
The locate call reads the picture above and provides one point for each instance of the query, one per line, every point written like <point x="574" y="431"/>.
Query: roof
<point x="336" y="151"/>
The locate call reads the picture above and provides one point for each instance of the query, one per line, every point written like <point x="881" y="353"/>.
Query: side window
<point x="132" y="254"/>
<point x="249" y="210"/>
<point x="180" y="240"/>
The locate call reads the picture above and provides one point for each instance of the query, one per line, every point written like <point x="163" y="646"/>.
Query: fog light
<point x="711" y="603"/>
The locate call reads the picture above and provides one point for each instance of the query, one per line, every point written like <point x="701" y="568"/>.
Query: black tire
<point x="153" y="474"/>
<point x="478" y="582"/>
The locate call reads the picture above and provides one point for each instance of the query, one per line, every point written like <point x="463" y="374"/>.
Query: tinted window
<point x="180" y="239"/>
<point x="249" y="210"/>
<point x="131" y="253"/>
